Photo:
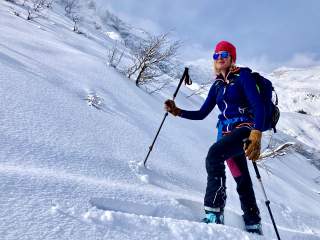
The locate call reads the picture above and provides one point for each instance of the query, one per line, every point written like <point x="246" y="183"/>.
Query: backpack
<point x="272" y="112"/>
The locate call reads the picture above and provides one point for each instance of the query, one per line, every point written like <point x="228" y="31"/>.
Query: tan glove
<point x="254" y="147"/>
<point x="170" y="107"/>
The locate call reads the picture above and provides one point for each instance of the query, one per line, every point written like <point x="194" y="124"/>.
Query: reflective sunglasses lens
<point x="224" y="55"/>
<point x="216" y="56"/>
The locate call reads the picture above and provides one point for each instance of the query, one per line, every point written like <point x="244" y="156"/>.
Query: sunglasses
<point x="221" y="54"/>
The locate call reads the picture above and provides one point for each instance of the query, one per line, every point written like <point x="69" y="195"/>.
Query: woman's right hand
<point x="170" y="106"/>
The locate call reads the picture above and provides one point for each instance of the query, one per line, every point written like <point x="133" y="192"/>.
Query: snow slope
<point x="69" y="170"/>
<point x="299" y="92"/>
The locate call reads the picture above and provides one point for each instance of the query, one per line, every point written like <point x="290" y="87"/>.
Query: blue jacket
<point x="239" y="102"/>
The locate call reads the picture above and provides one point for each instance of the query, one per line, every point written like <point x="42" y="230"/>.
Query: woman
<point x="241" y="119"/>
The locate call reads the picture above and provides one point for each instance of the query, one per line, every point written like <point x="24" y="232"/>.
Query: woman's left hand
<point x="254" y="148"/>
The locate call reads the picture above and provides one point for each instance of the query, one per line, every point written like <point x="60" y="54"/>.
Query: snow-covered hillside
<point x="299" y="97"/>
<point x="69" y="170"/>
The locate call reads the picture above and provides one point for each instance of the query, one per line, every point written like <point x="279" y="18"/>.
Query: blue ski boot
<point x="252" y="221"/>
<point x="214" y="217"/>
<point x="254" y="228"/>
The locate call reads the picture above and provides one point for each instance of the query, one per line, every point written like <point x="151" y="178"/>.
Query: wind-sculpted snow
<point x="74" y="133"/>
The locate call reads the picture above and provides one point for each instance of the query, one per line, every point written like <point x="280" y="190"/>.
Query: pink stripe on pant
<point x="234" y="169"/>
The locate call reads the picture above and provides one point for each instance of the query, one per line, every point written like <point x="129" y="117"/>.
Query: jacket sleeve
<point x="254" y="99"/>
<point x="205" y="109"/>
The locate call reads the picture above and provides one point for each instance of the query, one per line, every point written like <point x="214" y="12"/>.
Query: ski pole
<point x="267" y="201"/>
<point x="186" y="78"/>
<point x="266" y="198"/>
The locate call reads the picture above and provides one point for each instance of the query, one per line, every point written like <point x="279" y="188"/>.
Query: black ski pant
<point x="230" y="147"/>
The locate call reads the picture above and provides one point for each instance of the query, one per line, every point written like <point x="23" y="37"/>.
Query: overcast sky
<point x="267" y="33"/>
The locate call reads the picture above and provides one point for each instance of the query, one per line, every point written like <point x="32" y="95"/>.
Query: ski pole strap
<point x="185" y="78"/>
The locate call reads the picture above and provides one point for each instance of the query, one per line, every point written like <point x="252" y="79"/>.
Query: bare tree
<point x="12" y="9"/>
<point x="203" y="88"/>
<point x="36" y="7"/>
<point x="49" y="3"/>
<point x="114" y="56"/>
<point x="158" y="86"/>
<point x="152" y="58"/>
<point x="76" y="19"/>
<point x="70" y="6"/>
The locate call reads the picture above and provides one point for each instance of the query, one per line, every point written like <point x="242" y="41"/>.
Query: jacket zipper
<point x="224" y="111"/>
<point x="224" y="91"/>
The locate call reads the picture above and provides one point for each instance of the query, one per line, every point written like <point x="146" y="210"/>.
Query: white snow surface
<point x="74" y="134"/>
<point x="113" y="36"/>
